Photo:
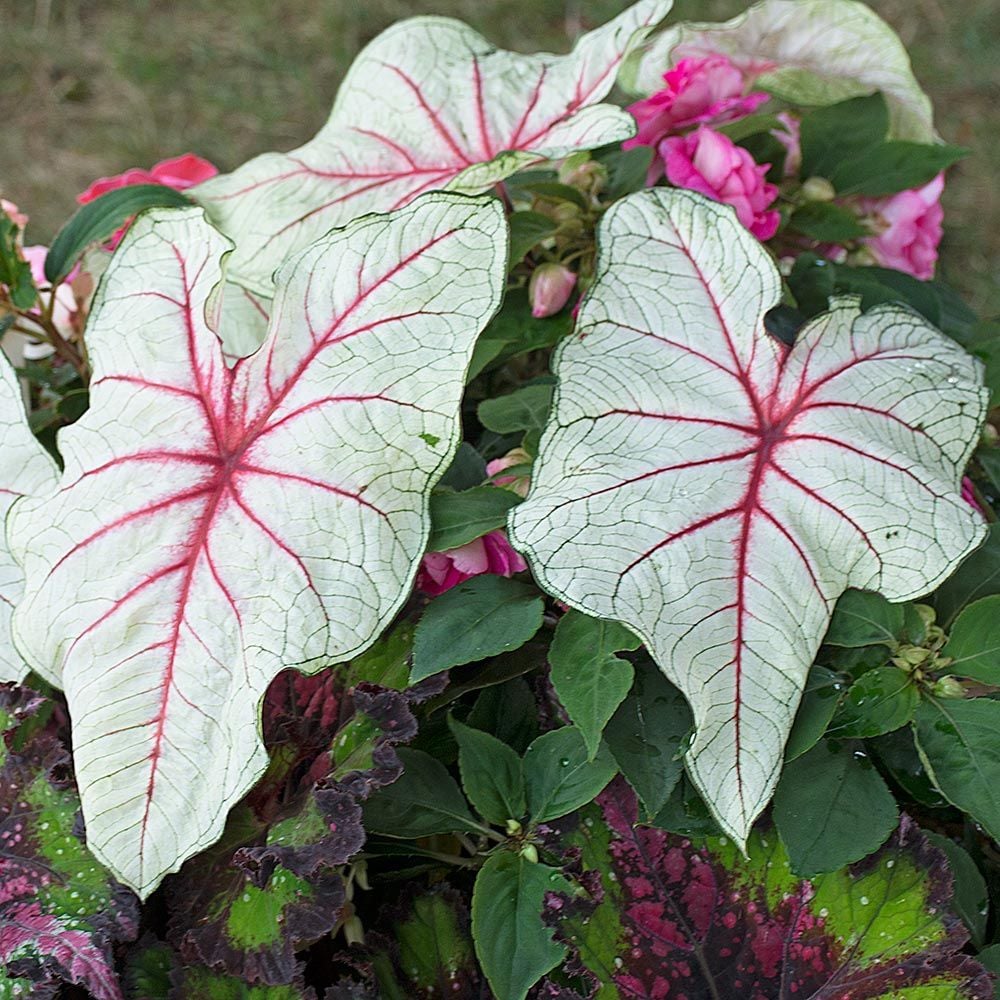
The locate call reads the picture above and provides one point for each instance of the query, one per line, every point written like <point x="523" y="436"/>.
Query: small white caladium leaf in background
<point x="811" y="52"/>
<point x="215" y="525"/>
<point x="25" y="470"/>
<point x="717" y="492"/>
<point x="240" y="318"/>
<point x="429" y="104"/>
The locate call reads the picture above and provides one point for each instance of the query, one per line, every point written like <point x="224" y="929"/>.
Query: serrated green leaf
<point x="558" y="775"/>
<point x="831" y="808"/>
<point x="425" y="800"/>
<point x="977" y="576"/>
<point x="957" y="741"/>
<point x="590" y="681"/>
<point x="819" y="701"/>
<point x="971" y="899"/>
<point x="864" y="618"/>
<point x="974" y="642"/>
<point x="514" y="947"/>
<point x="527" y="230"/>
<point x="524" y="409"/>
<point x="893" y="167"/>
<point x="647" y="735"/>
<point x="827" y="222"/>
<point x="482" y="617"/>
<point x="457" y="518"/>
<point x="841" y="133"/>
<point x="878" y="702"/>
<point x="492" y="775"/>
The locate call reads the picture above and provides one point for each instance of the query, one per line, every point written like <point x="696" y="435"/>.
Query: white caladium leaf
<point x="216" y="524"/>
<point x="811" y="52"/>
<point x="240" y="317"/>
<point x="25" y="469"/>
<point x="717" y="492"/>
<point x="429" y="104"/>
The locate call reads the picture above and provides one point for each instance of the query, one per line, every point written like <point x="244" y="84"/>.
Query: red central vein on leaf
<point x="433" y="116"/>
<point x="532" y="102"/>
<point x="484" y="135"/>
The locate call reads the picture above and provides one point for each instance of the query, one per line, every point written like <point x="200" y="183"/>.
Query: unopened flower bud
<point x="549" y="289"/>
<point x="513" y="828"/>
<point x="948" y="687"/>
<point x="354" y="931"/>
<point x="583" y="173"/>
<point x="818" y="189"/>
<point x="530" y="853"/>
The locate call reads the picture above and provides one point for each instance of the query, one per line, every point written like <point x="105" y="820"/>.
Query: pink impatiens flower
<point x="178" y="173"/>
<point x="516" y="484"/>
<point x="697" y="91"/>
<point x="440" y="571"/>
<point x="789" y="137"/>
<point x="969" y="494"/>
<point x="908" y="229"/>
<point x="65" y="309"/>
<point x="713" y="165"/>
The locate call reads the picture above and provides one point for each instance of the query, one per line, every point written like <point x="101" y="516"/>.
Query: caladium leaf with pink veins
<point x="25" y="469"/>
<point x="429" y="104"/>
<point x="811" y="52"/>
<point x="717" y="492"/>
<point x="216" y="524"/>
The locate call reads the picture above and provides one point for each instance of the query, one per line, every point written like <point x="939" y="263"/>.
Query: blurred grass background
<point x="90" y="87"/>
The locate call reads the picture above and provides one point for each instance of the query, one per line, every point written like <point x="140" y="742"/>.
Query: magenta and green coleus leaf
<point x="717" y="491"/>
<point x="26" y="469"/>
<point x="60" y="912"/>
<point x="661" y="917"/>
<point x="216" y="524"/>
<point x="429" y="104"/>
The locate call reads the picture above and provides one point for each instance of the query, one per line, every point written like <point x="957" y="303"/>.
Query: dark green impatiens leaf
<point x="878" y="702"/>
<point x="841" y="133"/>
<point x="647" y="736"/>
<point x="627" y="168"/>
<point x="897" y="753"/>
<point x="977" y="577"/>
<point x="559" y="775"/>
<point x="974" y="642"/>
<point x="958" y="744"/>
<point x="99" y="219"/>
<point x="819" y="701"/>
<point x="657" y="915"/>
<point x="509" y="712"/>
<point x="525" y="409"/>
<point x="492" y="775"/>
<point x="831" y="808"/>
<point x="686" y="813"/>
<point x="527" y="230"/>
<point x="894" y="166"/>
<point x="457" y="518"/>
<point x="60" y="911"/>
<point x="482" y="617"/>
<point x="424" y="801"/>
<point x="589" y="679"/>
<point x="827" y="222"/>
<point x="514" y="947"/>
<point x="864" y="618"/>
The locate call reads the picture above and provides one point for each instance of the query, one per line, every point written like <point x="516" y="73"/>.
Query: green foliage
<point x="457" y="518"/>
<point x="492" y="775"/>
<point x="481" y="617"/>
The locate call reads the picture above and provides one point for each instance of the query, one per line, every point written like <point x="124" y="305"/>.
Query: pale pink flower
<point x="697" y="91"/>
<point x="908" y="229"/>
<point x="16" y="215"/>
<point x="713" y="165"/>
<point x="549" y="289"/>
<point x="788" y="136"/>
<point x="516" y="484"/>
<point x="179" y="173"/>
<point x="65" y="309"/>
<point x="440" y="571"/>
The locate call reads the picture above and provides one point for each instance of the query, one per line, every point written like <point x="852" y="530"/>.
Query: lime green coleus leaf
<point x="658" y="913"/>
<point x="429" y="104"/>
<point x="215" y="525"/>
<point x="811" y="52"/>
<point x="717" y="491"/>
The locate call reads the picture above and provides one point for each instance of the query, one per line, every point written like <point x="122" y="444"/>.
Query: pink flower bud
<point x="549" y="289"/>
<point x="713" y="165"/>
<point x="440" y="571"/>
<point x="788" y="136"/>
<point x="969" y="494"/>
<point x="516" y="484"/>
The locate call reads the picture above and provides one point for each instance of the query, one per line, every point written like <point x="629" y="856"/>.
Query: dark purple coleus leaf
<point x="660" y="917"/>
<point x="276" y="882"/>
<point x="60" y="911"/>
